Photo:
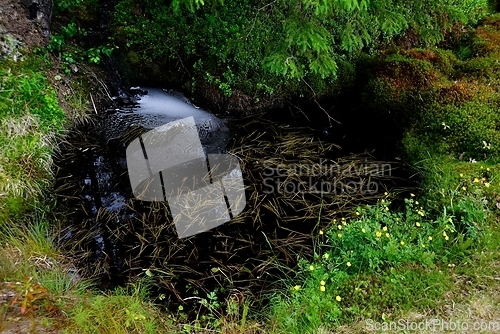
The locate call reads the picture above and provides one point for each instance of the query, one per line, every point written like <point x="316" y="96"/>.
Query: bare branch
<point x="330" y="118"/>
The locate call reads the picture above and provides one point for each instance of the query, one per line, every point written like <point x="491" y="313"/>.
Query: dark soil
<point x="14" y="19"/>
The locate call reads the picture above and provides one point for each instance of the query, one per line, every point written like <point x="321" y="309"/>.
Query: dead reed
<point x="295" y="185"/>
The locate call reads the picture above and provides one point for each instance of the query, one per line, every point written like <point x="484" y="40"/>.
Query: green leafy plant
<point x="94" y="55"/>
<point x="381" y="241"/>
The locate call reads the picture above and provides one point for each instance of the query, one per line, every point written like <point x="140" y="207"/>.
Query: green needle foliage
<point x="279" y="43"/>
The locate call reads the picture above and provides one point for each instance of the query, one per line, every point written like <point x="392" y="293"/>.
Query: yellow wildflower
<point x="487" y="185"/>
<point x="296" y="288"/>
<point x="402" y="243"/>
<point x="418" y="224"/>
<point x="412" y="195"/>
<point x="387" y="235"/>
<point x="430" y="238"/>
<point x="338" y="298"/>
<point x="461" y="175"/>
<point x="339" y="227"/>
<point x="384" y="228"/>
<point x="321" y="232"/>
<point x="326" y="255"/>
<point x="322" y="288"/>
<point x="378" y="234"/>
<point x="339" y="235"/>
<point x="363" y="230"/>
<point x="447" y="238"/>
<point x="348" y="264"/>
<point x="322" y="282"/>
<point x="311" y="267"/>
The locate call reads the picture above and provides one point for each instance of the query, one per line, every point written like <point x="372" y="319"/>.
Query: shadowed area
<point x="291" y="178"/>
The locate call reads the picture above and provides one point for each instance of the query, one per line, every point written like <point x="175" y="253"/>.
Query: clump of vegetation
<point x="297" y="48"/>
<point x="359" y="259"/>
<point x="71" y="53"/>
<point x="122" y="311"/>
<point x="383" y="255"/>
<point x="30" y="119"/>
<point x="369" y="264"/>
<point x="444" y="105"/>
<point x="484" y="41"/>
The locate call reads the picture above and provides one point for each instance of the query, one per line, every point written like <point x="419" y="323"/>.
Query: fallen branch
<point x="330" y="118"/>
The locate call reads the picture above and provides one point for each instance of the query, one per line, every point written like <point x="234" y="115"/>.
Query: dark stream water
<point x="93" y="179"/>
<point x="115" y="237"/>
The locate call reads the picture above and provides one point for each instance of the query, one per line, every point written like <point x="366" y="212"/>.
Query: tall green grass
<point x="30" y="122"/>
<point x="30" y="118"/>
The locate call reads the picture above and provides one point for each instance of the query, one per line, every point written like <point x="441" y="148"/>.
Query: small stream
<point x="95" y="168"/>
<point x="116" y="237"/>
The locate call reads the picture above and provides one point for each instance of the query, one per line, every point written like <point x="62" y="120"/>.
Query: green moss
<point x="460" y="118"/>
<point x="439" y="59"/>
<point x="444" y="105"/>
<point x="400" y="83"/>
<point x="468" y="130"/>
<point x="484" y="68"/>
<point x="133" y="58"/>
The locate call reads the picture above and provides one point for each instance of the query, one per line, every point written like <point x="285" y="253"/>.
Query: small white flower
<point x="486" y="145"/>
<point x="445" y="126"/>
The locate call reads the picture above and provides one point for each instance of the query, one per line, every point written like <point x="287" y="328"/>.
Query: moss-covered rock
<point x="485" y="41"/>
<point x="400" y="81"/>
<point x="444" y="105"/>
